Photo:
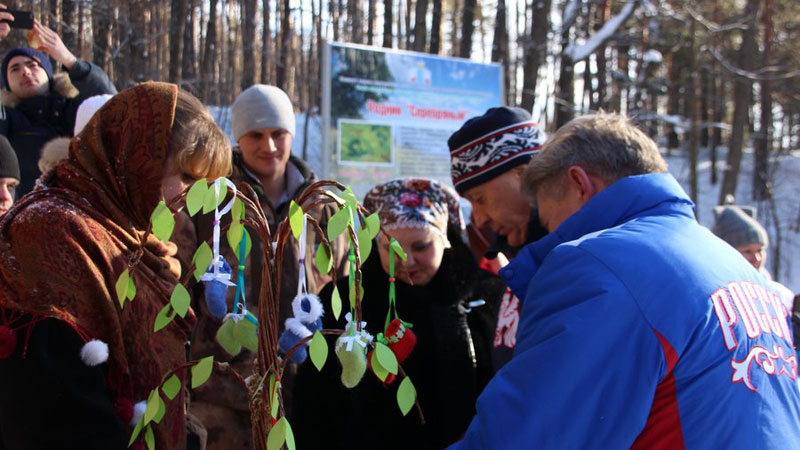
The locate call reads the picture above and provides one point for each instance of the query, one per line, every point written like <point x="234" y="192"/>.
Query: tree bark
<point x="102" y="26"/>
<point x="565" y="106"/>
<point x="500" y="43"/>
<point x="388" y="6"/>
<point x="209" y="53"/>
<point x="763" y="139"/>
<point x="248" y="43"/>
<point x="68" y="34"/>
<point x="354" y="18"/>
<point x="177" y="21"/>
<point x="436" y="29"/>
<point x="420" y="25"/>
<point x="742" y="99"/>
<point x="282" y="74"/>
<point x="189" y="54"/>
<point x="467" y="28"/>
<point x="266" y="44"/>
<point x="534" y="52"/>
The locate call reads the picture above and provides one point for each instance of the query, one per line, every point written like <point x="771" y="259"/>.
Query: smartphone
<point x="22" y="19"/>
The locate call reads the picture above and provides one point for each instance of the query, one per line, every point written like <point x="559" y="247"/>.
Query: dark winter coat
<point x="32" y="122"/>
<point x="449" y="366"/>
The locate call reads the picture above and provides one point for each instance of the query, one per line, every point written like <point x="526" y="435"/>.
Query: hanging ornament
<point x="307" y="308"/>
<point x="396" y="332"/>
<point x="8" y="341"/>
<point x="351" y="350"/>
<point x="217" y="278"/>
<point x="390" y="377"/>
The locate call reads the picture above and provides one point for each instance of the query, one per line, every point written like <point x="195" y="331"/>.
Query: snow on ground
<point x="787" y="191"/>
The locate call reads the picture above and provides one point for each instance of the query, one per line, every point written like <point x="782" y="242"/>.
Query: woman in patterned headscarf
<point x="438" y="290"/>
<point x="62" y="249"/>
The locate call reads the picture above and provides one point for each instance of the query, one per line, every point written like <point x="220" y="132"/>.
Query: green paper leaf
<point x="121" y="287"/>
<point x="202" y="259"/>
<point x="238" y="210"/>
<point x="386" y="357"/>
<point x="323" y="259"/>
<point x="296" y="219"/>
<point x="338" y="222"/>
<point x="171" y="387"/>
<point x="131" y="288"/>
<point x="162" y="409"/>
<point x="364" y="244"/>
<point x="373" y="223"/>
<point x="164" y="317"/>
<point x="279" y="434"/>
<point x="226" y="339"/>
<point x="211" y="201"/>
<point x="336" y="302"/>
<point x="377" y="368"/>
<point x="406" y="395"/>
<point x="398" y="250"/>
<point x="196" y="196"/>
<point x="201" y="371"/>
<point x="318" y="350"/>
<point x="163" y="222"/>
<point x="180" y="300"/>
<point x="234" y="235"/>
<point x="246" y="333"/>
<point x="149" y="438"/>
<point x="289" y="436"/>
<point x="152" y="406"/>
<point x="274" y="402"/>
<point x="349" y="197"/>
<point x="136" y="430"/>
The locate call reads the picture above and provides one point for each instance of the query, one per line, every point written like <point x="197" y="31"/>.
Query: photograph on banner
<point x="389" y="113"/>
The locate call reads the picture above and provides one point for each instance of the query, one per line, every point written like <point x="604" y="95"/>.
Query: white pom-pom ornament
<point x="94" y="352"/>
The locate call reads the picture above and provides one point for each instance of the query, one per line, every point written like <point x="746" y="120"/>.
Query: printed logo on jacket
<point x="761" y="313"/>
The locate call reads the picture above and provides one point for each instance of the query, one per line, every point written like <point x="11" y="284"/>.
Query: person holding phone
<point x="38" y="105"/>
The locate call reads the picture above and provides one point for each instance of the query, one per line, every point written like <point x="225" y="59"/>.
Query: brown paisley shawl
<point x="63" y="247"/>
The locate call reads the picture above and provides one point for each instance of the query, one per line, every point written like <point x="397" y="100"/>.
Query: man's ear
<point x="587" y="185"/>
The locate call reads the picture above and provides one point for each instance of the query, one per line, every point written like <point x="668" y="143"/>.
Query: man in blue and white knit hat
<point x="487" y="158"/>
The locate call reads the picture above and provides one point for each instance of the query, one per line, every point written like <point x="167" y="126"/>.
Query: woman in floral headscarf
<point x="448" y="301"/>
<point x="62" y="248"/>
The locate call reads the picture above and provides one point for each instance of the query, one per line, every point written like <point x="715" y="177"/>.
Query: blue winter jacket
<point x="641" y="329"/>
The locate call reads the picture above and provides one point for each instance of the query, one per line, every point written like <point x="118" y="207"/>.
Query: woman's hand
<point x="52" y="44"/>
<point x="5" y="28"/>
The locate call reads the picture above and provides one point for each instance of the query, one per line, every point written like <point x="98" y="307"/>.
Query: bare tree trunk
<point x="719" y="113"/>
<point x="102" y="25"/>
<point x="408" y="24"/>
<point x="566" y="79"/>
<point x="209" y="53"/>
<point x="177" y="21"/>
<point x="248" y="43"/>
<point x="82" y="30"/>
<point x="742" y="99"/>
<point x="388" y="6"/>
<point x="371" y="21"/>
<point x="266" y="44"/>
<point x="603" y="11"/>
<point x="334" y="11"/>
<point x="454" y="39"/>
<point x="691" y="104"/>
<point x="500" y="44"/>
<point x="763" y="139"/>
<point x="136" y="59"/>
<point x="68" y="19"/>
<point x="354" y="18"/>
<point x="436" y="29"/>
<point x="286" y="35"/>
<point x="420" y="25"/>
<point x="467" y="28"/>
<point x="188" y="61"/>
<point x="535" y="51"/>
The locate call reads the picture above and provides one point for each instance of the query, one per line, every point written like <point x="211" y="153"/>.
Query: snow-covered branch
<point x="577" y="53"/>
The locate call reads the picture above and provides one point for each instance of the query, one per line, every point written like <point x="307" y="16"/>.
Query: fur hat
<point x="41" y="58"/>
<point x="490" y="145"/>
<point x="261" y="106"/>
<point x="53" y="152"/>
<point x="9" y="165"/>
<point x="737" y="226"/>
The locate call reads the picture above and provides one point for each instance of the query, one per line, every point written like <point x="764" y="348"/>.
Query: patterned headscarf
<point x="415" y="203"/>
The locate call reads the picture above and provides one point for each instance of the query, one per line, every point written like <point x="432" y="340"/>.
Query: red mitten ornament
<point x="400" y="339"/>
<point x="390" y="377"/>
<point x="8" y="341"/>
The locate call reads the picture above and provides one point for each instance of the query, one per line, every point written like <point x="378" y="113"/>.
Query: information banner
<point x="388" y="113"/>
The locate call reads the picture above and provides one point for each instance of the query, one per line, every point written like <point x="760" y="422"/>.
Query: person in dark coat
<point x="9" y="175"/>
<point x="37" y="105"/>
<point x="438" y="291"/>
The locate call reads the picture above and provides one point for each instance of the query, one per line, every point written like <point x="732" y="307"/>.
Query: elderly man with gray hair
<point x="640" y="329"/>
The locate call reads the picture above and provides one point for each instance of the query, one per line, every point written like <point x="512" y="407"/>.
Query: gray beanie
<point x="736" y="226"/>
<point x="9" y="166"/>
<point x="261" y="106"/>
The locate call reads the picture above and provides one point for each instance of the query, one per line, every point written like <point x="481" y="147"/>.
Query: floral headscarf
<point x="415" y="203"/>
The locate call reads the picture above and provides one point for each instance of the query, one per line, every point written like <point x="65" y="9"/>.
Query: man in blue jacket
<point x="641" y="329"/>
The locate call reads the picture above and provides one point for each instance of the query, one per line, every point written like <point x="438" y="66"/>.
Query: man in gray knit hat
<point x="263" y="125"/>
<point x="737" y="226"/>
